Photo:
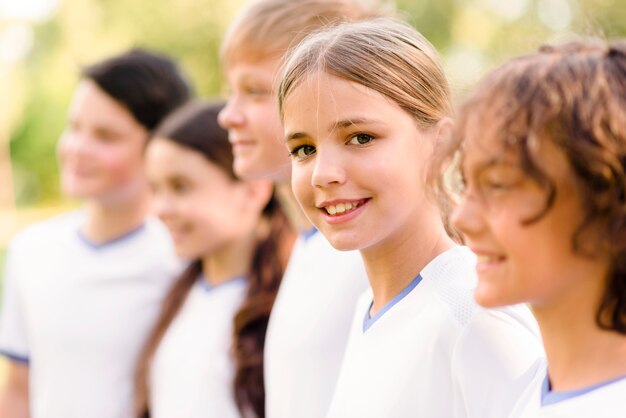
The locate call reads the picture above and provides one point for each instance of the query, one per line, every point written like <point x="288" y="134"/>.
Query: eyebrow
<point x="354" y="121"/>
<point x="486" y="165"/>
<point x="253" y="78"/>
<point x="108" y="130"/>
<point x="342" y="124"/>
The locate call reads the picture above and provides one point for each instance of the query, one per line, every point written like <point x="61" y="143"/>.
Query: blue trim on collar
<point x="18" y="358"/>
<point x="207" y="287"/>
<point x="549" y="397"/>
<point x="103" y="245"/>
<point x="368" y="321"/>
<point x="308" y="234"/>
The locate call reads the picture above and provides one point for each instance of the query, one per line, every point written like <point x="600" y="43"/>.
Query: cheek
<point x="274" y="148"/>
<point x="399" y="163"/>
<point x="61" y="148"/>
<point x="64" y="149"/>
<point x="301" y="182"/>
<point x="509" y="232"/>
<point x="121" y="163"/>
<point x="533" y="250"/>
<point x="268" y="122"/>
<point x="396" y="182"/>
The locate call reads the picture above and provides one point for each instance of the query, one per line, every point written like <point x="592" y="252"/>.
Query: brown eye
<point x="303" y="151"/>
<point x="180" y="186"/>
<point x="257" y="91"/>
<point x="360" y="139"/>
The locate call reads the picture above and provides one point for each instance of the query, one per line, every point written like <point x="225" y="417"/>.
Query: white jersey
<point x="79" y="313"/>
<point x="604" y="400"/>
<point x="193" y="368"/>
<point x="429" y="352"/>
<point x="309" y="327"/>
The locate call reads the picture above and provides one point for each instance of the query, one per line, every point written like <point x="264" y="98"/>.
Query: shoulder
<point x="503" y="349"/>
<point x="41" y="233"/>
<point x="364" y="300"/>
<point x="507" y="336"/>
<point x="154" y="228"/>
<point x="456" y="263"/>
<point x="523" y="394"/>
<point x="154" y="245"/>
<point x="451" y="276"/>
<point x="155" y="236"/>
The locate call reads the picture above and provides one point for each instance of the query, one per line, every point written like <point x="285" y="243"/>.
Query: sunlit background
<point x="44" y="42"/>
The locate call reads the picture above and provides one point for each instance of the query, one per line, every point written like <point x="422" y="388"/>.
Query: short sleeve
<point x="493" y="361"/>
<point x="13" y="341"/>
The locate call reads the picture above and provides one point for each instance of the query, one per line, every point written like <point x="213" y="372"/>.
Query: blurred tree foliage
<point x="473" y="35"/>
<point x="83" y="31"/>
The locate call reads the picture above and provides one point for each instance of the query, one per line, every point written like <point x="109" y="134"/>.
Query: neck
<point x="579" y="353"/>
<point x="294" y="213"/>
<point x="230" y="261"/>
<point x="390" y="268"/>
<point x="107" y="221"/>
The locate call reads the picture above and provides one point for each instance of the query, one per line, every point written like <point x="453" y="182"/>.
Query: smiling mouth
<point x="242" y="142"/>
<point x="489" y="259"/>
<point x="343" y="208"/>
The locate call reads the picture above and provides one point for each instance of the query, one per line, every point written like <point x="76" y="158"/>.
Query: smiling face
<point x="101" y="150"/>
<point x="253" y="123"/>
<point x="203" y="207"/>
<point x="523" y="257"/>
<point x="358" y="163"/>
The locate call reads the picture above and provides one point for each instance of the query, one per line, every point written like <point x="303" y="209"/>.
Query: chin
<point x="247" y="171"/>
<point x="186" y="255"/>
<point x="342" y="243"/>
<point x="242" y="170"/>
<point x="77" y="192"/>
<point x="78" y="189"/>
<point x="489" y="298"/>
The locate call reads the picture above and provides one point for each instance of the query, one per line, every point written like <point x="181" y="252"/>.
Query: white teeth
<point x="341" y="208"/>
<point x="487" y="258"/>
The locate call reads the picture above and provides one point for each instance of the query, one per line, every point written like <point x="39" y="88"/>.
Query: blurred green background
<point x="44" y="42"/>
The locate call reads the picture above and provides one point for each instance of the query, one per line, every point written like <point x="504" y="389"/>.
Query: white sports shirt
<point x="604" y="400"/>
<point x="78" y="313"/>
<point x="431" y="352"/>
<point x="193" y="368"/>
<point x="309" y="327"/>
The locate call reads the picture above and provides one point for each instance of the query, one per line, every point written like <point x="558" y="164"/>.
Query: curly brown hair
<point x="573" y="95"/>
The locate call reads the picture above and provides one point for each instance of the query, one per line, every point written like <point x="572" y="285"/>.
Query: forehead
<point x="535" y="154"/>
<point x="167" y="156"/>
<point x="488" y="129"/>
<point x="93" y="105"/>
<point x="243" y="69"/>
<point x="321" y="86"/>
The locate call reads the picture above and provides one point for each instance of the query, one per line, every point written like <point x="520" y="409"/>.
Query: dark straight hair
<point x="148" y="84"/>
<point x="195" y="126"/>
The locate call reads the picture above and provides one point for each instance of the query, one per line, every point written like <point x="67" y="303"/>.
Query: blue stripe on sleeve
<point x="18" y="358"/>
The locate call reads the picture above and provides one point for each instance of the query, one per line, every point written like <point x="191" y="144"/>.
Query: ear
<point x="258" y="193"/>
<point x="442" y="134"/>
<point x="443" y="131"/>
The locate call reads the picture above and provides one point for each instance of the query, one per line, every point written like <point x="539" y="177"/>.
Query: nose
<point x="73" y="143"/>
<point x="162" y="206"/>
<point x="468" y="216"/>
<point x="329" y="168"/>
<point x="231" y="116"/>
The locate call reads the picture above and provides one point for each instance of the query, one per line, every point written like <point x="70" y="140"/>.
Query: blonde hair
<point x="267" y="28"/>
<point x="385" y="55"/>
